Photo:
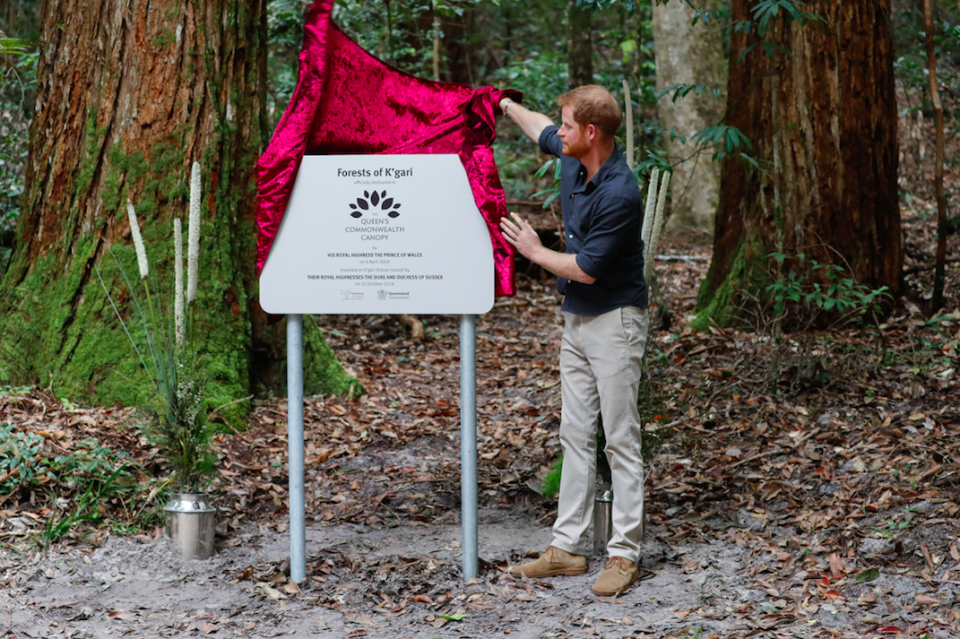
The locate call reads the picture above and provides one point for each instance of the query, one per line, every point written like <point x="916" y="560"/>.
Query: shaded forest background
<point x="522" y="45"/>
<point x="543" y="48"/>
<point x="834" y="449"/>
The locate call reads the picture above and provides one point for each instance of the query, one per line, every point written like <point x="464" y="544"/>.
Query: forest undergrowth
<point x="829" y="458"/>
<point x="845" y="469"/>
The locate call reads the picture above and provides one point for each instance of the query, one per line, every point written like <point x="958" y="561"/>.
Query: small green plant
<point x="832" y="293"/>
<point x="179" y="424"/>
<point x="97" y="491"/>
<point x="551" y="481"/>
<point x="21" y="463"/>
<point x="86" y="486"/>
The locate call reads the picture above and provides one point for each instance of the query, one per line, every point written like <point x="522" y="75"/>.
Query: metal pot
<point x="191" y="523"/>
<point x="602" y="520"/>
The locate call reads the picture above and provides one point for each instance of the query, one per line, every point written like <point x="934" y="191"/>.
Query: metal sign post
<point x="298" y="528"/>
<point x="394" y="234"/>
<point x="468" y="443"/>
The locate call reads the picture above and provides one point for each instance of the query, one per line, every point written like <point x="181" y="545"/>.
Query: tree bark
<point x="829" y="111"/>
<point x="690" y="54"/>
<point x="940" y="273"/>
<point x="129" y="94"/>
<point x="579" y="43"/>
<point x="460" y="50"/>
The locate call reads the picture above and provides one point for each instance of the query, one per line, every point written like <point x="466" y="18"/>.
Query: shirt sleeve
<point x="550" y="141"/>
<point x="611" y="221"/>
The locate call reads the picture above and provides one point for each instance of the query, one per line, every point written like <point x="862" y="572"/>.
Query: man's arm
<point x="530" y="122"/>
<point x="521" y="235"/>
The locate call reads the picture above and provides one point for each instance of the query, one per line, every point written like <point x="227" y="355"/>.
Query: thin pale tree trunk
<point x="940" y="273"/>
<point x="688" y="53"/>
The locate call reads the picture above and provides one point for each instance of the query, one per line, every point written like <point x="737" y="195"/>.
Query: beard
<point x="577" y="150"/>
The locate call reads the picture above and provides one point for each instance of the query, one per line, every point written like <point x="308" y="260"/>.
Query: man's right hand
<point x="530" y="122"/>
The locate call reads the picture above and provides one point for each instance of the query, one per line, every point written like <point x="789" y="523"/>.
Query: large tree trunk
<point x="690" y="54"/>
<point x="580" y="43"/>
<point x="823" y="122"/>
<point x="129" y="94"/>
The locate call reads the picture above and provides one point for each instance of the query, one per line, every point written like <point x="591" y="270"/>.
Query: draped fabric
<point x="348" y="102"/>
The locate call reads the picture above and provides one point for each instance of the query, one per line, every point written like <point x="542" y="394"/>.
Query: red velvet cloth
<point x="348" y="102"/>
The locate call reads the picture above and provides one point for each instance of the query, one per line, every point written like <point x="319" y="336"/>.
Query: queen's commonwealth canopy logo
<point x="375" y="203"/>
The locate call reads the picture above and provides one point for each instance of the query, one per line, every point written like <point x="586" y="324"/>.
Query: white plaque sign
<point x="380" y="234"/>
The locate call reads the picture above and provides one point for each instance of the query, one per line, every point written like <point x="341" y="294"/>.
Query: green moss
<point x="62" y="331"/>
<point x="322" y="372"/>
<point x="748" y="277"/>
<point x="88" y="163"/>
<point x="719" y="306"/>
<point x="164" y="38"/>
<point x="43" y="342"/>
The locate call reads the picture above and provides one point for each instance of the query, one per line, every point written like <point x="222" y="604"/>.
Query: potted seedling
<point x="178" y="425"/>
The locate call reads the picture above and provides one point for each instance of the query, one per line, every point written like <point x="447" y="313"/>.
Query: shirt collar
<point x="605" y="170"/>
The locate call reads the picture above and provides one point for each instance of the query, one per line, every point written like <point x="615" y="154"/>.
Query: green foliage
<point x="12" y="46"/>
<point x="729" y="139"/>
<point x="551" y="481"/>
<point x="21" y="464"/>
<point x="99" y="475"/>
<point x="95" y="476"/>
<point x="169" y="352"/>
<point x="826" y="289"/>
<point x="285" y="20"/>
<point x="181" y="430"/>
<point x="911" y="63"/>
<point x="552" y="192"/>
<point x="18" y="79"/>
<point x="766" y="10"/>
<point x="656" y="159"/>
<point x="541" y="76"/>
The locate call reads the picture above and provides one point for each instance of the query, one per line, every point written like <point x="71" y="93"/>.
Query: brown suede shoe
<point x="552" y="562"/>
<point x="618" y="575"/>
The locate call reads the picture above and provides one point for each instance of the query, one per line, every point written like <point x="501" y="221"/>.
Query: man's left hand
<point x="518" y="232"/>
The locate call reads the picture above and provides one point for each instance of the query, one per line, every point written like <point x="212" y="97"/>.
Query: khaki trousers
<point x="600" y="375"/>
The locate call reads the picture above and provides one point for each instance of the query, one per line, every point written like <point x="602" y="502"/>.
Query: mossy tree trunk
<point x="129" y="94"/>
<point x="823" y="122"/>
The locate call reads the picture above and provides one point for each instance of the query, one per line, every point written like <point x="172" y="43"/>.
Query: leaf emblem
<point x="375" y="202"/>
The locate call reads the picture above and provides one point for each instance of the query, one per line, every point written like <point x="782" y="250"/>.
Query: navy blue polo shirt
<point x="602" y="220"/>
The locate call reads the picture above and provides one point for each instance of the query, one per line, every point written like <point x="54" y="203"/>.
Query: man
<point x="605" y="328"/>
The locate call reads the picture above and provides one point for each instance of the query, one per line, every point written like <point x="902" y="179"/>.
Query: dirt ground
<point x="826" y="508"/>
<point x="829" y="513"/>
<point x="143" y="589"/>
<point x="720" y="588"/>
